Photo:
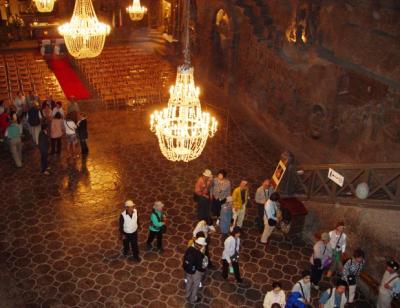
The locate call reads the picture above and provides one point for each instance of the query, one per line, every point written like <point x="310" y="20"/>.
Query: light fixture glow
<point x="44" y="6"/>
<point x="84" y="35"/>
<point x="182" y="128"/>
<point x="136" y="11"/>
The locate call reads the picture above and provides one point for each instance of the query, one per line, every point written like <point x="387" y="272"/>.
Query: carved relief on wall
<point x="303" y="27"/>
<point x="221" y="43"/>
<point x="317" y="121"/>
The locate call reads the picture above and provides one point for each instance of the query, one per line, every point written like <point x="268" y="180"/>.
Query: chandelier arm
<point x="186" y="50"/>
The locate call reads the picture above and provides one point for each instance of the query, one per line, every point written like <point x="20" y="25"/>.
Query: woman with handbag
<point x="230" y="255"/>
<point x="352" y="270"/>
<point x="320" y="259"/>
<point x="271" y="209"/>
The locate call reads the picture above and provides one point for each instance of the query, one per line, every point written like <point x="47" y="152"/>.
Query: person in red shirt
<point x="202" y="194"/>
<point x="4" y="120"/>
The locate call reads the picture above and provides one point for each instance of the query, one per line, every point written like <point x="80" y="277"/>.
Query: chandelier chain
<point x="186" y="50"/>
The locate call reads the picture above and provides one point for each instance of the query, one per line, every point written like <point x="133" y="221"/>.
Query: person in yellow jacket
<point x="240" y="198"/>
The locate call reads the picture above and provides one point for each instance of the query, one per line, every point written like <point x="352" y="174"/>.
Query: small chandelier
<point x="84" y="35"/>
<point x="44" y="6"/>
<point x="136" y="11"/>
<point x="182" y="128"/>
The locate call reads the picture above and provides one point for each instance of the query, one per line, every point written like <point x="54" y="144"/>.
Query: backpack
<point x="294" y="301"/>
<point x="189" y="265"/>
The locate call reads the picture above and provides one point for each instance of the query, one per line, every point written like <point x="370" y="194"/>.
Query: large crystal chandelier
<point x="84" y="35"/>
<point x="136" y="11"/>
<point x="183" y="128"/>
<point x="44" y="6"/>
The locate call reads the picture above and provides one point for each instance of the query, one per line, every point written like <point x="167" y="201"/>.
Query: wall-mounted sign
<point x="336" y="177"/>
<point x="278" y="174"/>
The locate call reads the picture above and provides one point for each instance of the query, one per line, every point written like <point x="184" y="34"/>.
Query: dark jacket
<point x="33" y="116"/>
<point x="43" y="143"/>
<point x="82" y="129"/>
<point x="193" y="260"/>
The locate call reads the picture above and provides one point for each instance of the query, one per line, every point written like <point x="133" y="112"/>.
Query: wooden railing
<point x="383" y="180"/>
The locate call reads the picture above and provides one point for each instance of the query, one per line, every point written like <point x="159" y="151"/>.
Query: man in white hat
<point x="157" y="226"/>
<point x="194" y="264"/>
<point x="202" y="194"/>
<point x="128" y="225"/>
<point x="390" y="285"/>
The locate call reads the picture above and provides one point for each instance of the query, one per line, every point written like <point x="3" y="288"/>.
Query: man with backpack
<point x="334" y="297"/>
<point x="390" y="285"/>
<point x="194" y="264"/>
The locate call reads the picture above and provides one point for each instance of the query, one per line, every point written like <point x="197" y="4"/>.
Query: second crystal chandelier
<point x="44" y="6"/>
<point x="136" y="11"/>
<point x="183" y="128"/>
<point x="84" y="35"/>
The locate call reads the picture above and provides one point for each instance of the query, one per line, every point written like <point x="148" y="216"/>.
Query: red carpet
<point x="68" y="79"/>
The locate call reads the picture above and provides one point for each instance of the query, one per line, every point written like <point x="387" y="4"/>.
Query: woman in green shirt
<point x="157" y="226"/>
<point x="13" y="133"/>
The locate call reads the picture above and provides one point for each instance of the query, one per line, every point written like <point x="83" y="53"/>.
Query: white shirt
<point x="70" y="127"/>
<point x="270" y="209"/>
<point x="321" y="251"/>
<point x="19" y="102"/>
<point x="203" y="227"/>
<point x="306" y="289"/>
<point x="130" y="223"/>
<point x="385" y="279"/>
<point x="262" y="195"/>
<point x="271" y="298"/>
<point x="58" y="109"/>
<point x="229" y="248"/>
<point x="336" y="242"/>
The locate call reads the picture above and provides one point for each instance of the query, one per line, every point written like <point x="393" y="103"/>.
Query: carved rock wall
<point x="378" y="237"/>
<point x="334" y="97"/>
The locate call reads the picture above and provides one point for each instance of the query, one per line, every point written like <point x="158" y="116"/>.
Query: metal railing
<point x="383" y="180"/>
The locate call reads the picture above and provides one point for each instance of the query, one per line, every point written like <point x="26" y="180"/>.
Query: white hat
<point x="158" y="204"/>
<point x="207" y="173"/>
<point x="201" y="241"/>
<point x="129" y="203"/>
<point x="229" y="199"/>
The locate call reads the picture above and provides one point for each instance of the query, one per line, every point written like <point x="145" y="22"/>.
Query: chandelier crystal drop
<point x="182" y="128"/>
<point x="136" y="11"/>
<point x="84" y="35"/>
<point x="44" y="6"/>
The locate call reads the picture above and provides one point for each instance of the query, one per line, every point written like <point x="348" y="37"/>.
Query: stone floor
<point x="59" y="241"/>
